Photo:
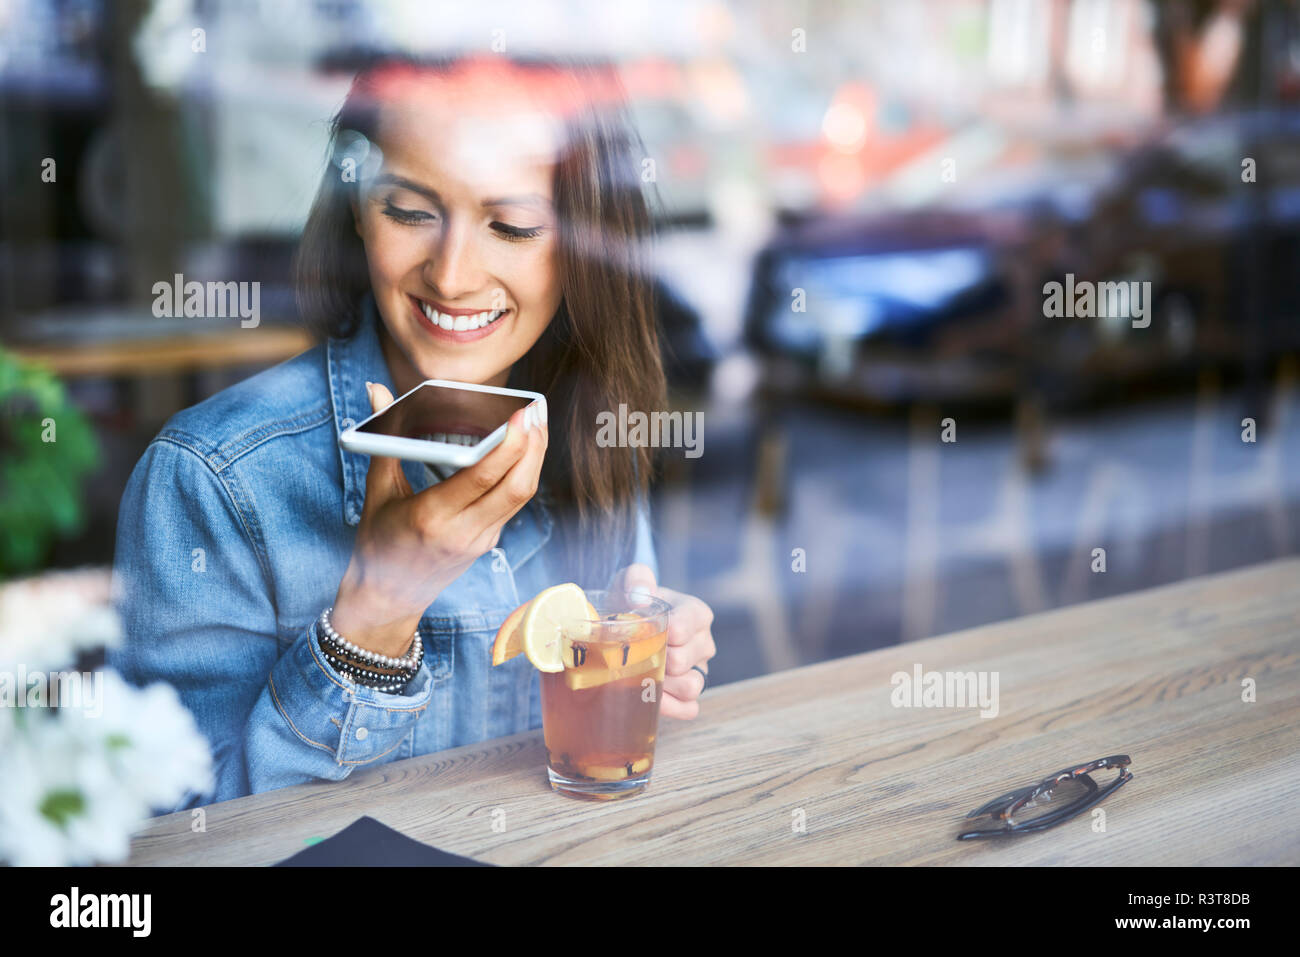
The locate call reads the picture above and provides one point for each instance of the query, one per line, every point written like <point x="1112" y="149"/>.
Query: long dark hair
<point x="600" y="350"/>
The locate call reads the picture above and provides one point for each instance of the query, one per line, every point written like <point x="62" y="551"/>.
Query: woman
<point x="497" y="190"/>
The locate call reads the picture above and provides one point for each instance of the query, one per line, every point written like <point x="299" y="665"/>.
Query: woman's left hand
<point x="690" y="643"/>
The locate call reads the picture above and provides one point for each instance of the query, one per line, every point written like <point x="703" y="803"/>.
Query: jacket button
<point x="362" y="734"/>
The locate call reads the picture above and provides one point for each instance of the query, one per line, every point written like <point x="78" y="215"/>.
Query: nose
<point x="452" y="267"/>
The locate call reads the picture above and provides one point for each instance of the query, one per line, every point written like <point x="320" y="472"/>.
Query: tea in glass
<point x="600" y="715"/>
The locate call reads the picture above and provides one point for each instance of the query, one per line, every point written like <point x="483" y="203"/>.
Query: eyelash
<point x="517" y="233"/>
<point x="407" y="217"/>
<point x="410" y="217"/>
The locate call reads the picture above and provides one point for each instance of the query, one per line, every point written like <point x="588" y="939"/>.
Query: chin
<point x="456" y="369"/>
<point x="428" y="363"/>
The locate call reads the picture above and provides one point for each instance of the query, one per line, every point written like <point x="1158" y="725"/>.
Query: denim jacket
<point x="234" y="532"/>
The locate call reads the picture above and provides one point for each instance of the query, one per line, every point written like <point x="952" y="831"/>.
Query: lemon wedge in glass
<point x="539" y="629"/>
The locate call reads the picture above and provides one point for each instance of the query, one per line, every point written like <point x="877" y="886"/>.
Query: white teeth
<point x="452" y="438"/>
<point x="460" y="323"/>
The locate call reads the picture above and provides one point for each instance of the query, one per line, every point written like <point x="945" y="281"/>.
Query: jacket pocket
<point x="439" y="638"/>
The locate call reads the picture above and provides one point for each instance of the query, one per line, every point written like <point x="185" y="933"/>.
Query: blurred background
<point x="860" y="204"/>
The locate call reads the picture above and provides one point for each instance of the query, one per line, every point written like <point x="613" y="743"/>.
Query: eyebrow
<point x="529" y="199"/>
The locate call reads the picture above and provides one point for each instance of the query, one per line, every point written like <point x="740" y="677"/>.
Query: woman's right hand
<point x="410" y="547"/>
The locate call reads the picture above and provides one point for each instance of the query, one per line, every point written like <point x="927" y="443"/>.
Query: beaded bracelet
<point x="333" y="650"/>
<point x="380" y="680"/>
<point x="361" y="663"/>
<point x="331" y="644"/>
<point x="411" y="660"/>
<point x="368" y="678"/>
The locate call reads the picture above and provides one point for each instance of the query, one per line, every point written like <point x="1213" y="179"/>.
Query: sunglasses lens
<point x="1105" y="777"/>
<point x="1065" y="793"/>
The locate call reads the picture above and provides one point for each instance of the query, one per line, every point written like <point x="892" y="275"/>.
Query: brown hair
<point x="600" y="349"/>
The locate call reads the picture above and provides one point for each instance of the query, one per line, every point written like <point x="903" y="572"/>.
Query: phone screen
<point x="440" y="414"/>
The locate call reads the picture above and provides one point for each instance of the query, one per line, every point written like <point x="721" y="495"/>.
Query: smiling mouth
<point x="469" y="322"/>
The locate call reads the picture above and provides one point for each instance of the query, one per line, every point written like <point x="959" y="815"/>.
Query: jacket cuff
<point x="357" y="724"/>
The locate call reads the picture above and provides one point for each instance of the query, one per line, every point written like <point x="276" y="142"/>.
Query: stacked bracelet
<point x="410" y="661"/>
<point x="370" y="679"/>
<point x="380" y="680"/>
<point x="366" y="667"/>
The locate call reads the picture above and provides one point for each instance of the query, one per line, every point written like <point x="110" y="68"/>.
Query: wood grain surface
<point x="173" y="354"/>
<point x="1157" y="675"/>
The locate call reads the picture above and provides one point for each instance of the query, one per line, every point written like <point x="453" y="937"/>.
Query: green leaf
<point x="61" y="806"/>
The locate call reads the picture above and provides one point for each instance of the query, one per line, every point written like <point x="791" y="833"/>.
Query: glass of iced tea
<point x="600" y="715"/>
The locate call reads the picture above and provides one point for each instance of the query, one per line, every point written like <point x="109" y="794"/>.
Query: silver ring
<point x="706" y="677"/>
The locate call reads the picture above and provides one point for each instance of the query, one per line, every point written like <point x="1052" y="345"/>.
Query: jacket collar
<point x="353" y="362"/>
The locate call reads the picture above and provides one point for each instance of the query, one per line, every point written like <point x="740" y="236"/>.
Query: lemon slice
<point x="636" y="646"/>
<point x="539" y="631"/>
<point x="582" y="678"/>
<point x="614" y="772"/>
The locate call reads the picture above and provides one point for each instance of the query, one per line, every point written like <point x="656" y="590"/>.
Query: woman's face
<point x="459" y="226"/>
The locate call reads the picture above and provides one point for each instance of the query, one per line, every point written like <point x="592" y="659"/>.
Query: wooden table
<point x="1157" y="675"/>
<point x="170" y="354"/>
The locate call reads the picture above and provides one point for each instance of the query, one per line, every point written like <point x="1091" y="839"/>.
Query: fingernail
<point x="370" y="392"/>
<point x="639" y="591"/>
<point x="541" y="410"/>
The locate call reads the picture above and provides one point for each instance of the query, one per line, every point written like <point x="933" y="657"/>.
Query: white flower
<point x="45" y="621"/>
<point x="60" y="804"/>
<point x="150" y="739"/>
<point x="76" y="781"/>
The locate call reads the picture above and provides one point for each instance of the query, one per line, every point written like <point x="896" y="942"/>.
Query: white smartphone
<point x="443" y="423"/>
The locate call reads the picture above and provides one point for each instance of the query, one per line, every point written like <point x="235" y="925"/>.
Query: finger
<point x="633" y="576"/>
<point x="474" y="481"/>
<point x="689" y="617"/>
<point x="385" y="479"/>
<point x="380" y="397"/>
<point x="697" y="651"/>
<point x="671" y="706"/>
<point x="516" y="488"/>
<point x="685" y="687"/>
